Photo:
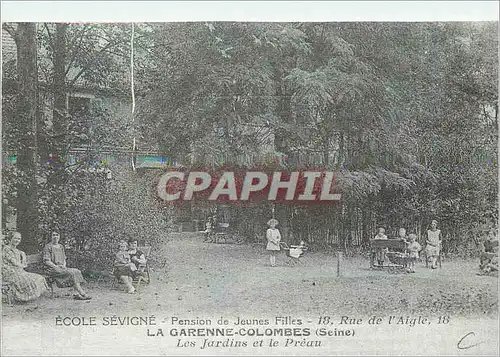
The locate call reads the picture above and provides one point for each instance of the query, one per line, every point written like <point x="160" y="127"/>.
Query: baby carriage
<point x="294" y="252"/>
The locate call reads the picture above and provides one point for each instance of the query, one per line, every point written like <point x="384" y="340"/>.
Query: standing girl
<point x="273" y="236"/>
<point x="380" y="252"/>
<point x="413" y="249"/>
<point x="433" y="244"/>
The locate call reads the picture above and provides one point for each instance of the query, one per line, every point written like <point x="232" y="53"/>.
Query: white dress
<point x="273" y="236"/>
<point x="433" y="243"/>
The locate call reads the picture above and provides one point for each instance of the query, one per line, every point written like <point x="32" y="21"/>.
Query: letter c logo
<point x="162" y="186"/>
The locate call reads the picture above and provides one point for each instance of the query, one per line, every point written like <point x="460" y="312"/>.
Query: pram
<point x="294" y="253"/>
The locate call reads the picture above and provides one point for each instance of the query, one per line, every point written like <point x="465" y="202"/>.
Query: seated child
<point x="489" y="257"/>
<point x="413" y="248"/>
<point x="492" y="266"/>
<point x="296" y="251"/>
<point x="302" y="245"/>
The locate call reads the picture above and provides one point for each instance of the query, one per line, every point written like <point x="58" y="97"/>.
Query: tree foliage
<point x="406" y="113"/>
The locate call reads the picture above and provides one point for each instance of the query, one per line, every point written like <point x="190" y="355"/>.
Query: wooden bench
<point x="37" y="259"/>
<point x="7" y="292"/>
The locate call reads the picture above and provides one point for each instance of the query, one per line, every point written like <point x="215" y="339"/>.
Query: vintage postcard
<point x="249" y="178"/>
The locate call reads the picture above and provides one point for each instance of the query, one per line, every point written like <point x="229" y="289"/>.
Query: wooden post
<point x="339" y="258"/>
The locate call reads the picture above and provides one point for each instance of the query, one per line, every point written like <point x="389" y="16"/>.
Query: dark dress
<point x="63" y="276"/>
<point x="137" y="254"/>
<point x="140" y="271"/>
<point x="122" y="265"/>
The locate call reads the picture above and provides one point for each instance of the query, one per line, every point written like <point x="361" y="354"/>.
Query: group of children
<point x="128" y="261"/>
<point x="412" y="248"/>
<point x="433" y="245"/>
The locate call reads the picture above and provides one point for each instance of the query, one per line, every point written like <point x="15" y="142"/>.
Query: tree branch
<point x="75" y="53"/>
<point x="45" y="73"/>
<point x="85" y="68"/>
<point x="51" y="42"/>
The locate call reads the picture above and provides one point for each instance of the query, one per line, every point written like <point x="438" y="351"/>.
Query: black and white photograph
<point x="250" y="187"/>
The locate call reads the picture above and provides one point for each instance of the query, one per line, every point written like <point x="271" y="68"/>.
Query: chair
<point x="7" y="292"/>
<point x="143" y="269"/>
<point x="221" y="233"/>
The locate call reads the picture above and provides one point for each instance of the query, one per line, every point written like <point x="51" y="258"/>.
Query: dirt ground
<point x="193" y="277"/>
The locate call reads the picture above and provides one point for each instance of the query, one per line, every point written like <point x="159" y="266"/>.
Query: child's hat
<point x="272" y="221"/>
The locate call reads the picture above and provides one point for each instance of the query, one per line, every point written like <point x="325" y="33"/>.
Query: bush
<point x="110" y="210"/>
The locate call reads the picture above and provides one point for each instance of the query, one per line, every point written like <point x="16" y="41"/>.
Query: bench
<point x="388" y="243"/>
<point x="7" y="292"/>
<point x="37" y="261"/>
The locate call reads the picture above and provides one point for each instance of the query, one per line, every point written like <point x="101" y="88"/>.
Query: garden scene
<point x="404" y="114"/>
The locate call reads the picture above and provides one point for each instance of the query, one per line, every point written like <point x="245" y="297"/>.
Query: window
<point x="79" y="109"/>
<point x="78" y="106"/>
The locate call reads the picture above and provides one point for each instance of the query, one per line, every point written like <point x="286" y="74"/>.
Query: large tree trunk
<point x="59" y="87"/>
<point x="282" y="212"/>
<point x="27" y="200"/>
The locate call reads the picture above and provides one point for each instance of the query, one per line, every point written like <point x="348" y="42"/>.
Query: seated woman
<point x="54" y="258"/>
<point x="26" y="286"/>
<point x="124" y="268"/>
